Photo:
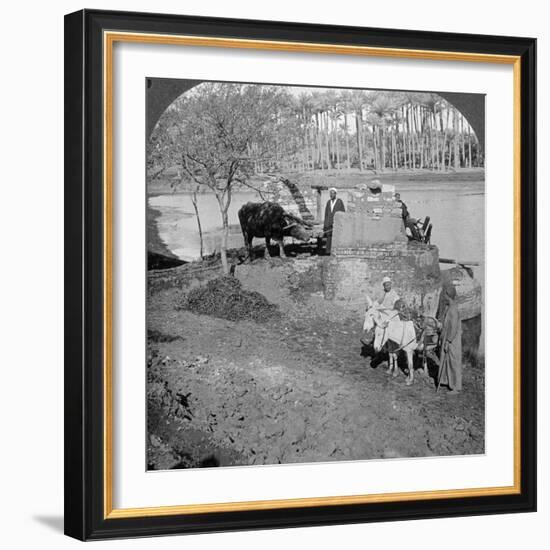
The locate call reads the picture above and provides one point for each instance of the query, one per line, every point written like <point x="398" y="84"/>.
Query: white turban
<point x="333" y="189"/>
<point x="386" y="280"/>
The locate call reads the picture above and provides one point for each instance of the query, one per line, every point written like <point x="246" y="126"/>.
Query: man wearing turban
<point x="388" y="297"/>
<point x="333" y="205"/>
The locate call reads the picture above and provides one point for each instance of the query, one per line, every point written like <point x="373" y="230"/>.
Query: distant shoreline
<point x="466" y="181"/>
<point x="409" y="179"/>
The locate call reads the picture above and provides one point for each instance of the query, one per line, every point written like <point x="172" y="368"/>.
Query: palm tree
<point x="383" y="106"/>
<point x="358" y="99"/>
<point x="317" y="106"/>
<point x="346" y="107"/>
<point x="332" y="99"/>
<point x="430" y="104"/>
<point x="304" y="107"/>
<point x="326" y="106"/>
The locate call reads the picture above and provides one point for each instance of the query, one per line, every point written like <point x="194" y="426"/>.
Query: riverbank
<point x="345" y="178"/>
<point x="419" y="190"/>
<point x="159" y="256"/>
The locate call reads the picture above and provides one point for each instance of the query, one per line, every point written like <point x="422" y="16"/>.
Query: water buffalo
<point x="270" y="221"/>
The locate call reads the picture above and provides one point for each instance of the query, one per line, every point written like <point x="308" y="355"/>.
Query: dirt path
<point x="297" y="389"/>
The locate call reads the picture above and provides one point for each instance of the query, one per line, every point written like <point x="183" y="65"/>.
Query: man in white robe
<point x="387" y="299"/>
<point x="382" y="309"/>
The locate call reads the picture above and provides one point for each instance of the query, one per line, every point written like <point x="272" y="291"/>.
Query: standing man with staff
<point x="450" y="365"/>
<point x="333" y="205"/>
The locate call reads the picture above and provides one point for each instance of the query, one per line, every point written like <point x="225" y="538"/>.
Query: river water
<point x="457" y="214"/>
<point x="177" y="223"/>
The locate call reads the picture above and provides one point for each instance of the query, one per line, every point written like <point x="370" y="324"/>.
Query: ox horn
<point x="290" y="225"/>
<point x="297" y="219"/>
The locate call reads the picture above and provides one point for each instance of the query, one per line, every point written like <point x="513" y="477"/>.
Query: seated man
<point x="387" y="299"/>
<point x="403" y="206"/>
<point x="413" y="229"/>
<point x="411" y="224"/>
<point x="381" y="310"/>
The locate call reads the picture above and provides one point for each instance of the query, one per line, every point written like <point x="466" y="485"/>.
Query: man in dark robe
<point x="450" y="366"/>
<point x="333" y="205"/>
<point x="410" y="223"/>
<point x="403" y="206"/>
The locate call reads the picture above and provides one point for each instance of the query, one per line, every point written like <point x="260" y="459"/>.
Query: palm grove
<point x="218" y="136"/>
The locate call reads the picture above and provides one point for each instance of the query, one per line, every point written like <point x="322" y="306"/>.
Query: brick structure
<point x="355" y="230"/>
<point x="288" y="194"/>
<point x="352" y="274"/>
<point x="368" y="244"/>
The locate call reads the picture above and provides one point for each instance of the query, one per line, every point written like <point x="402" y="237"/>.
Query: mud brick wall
<point x="377" y="204"/>
<point x="352" y="230"/>
<point x="370" y="218"/>
<point x="470" y="294"/>
<point x="352" y="274"/>
<point x="299" y="201"/>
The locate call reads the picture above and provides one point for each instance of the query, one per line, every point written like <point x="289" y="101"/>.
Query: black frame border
<point x="84" y="489"/>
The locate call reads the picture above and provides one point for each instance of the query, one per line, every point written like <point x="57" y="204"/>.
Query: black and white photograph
<point x="283" y="289"/>
<point x="315" y="274"/>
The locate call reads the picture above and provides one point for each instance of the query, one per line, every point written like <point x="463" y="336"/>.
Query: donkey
<point x="397" y="334"/>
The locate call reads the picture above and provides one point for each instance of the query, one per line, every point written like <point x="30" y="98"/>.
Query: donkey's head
<point x="380" y="338"/>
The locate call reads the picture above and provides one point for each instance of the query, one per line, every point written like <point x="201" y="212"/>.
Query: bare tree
<point x="163" y="152"/>
<point x="218" y="122"/>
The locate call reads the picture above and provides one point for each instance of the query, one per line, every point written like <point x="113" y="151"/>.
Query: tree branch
<point x="259" y="191"/>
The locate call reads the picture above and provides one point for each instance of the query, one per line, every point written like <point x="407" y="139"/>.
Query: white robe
<point x="388" y="300"/>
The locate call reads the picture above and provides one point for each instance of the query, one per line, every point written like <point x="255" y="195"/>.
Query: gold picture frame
<point x="101" y="30"/>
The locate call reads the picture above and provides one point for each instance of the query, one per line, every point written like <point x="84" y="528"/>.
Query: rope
<point x="405" y="345"/>
<point x="386" y="326"/>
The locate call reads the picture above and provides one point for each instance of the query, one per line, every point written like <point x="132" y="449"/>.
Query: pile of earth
<point x="225" y="298"/>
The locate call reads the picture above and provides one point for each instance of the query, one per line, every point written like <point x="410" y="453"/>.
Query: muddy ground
<point x="295" y="387"/>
